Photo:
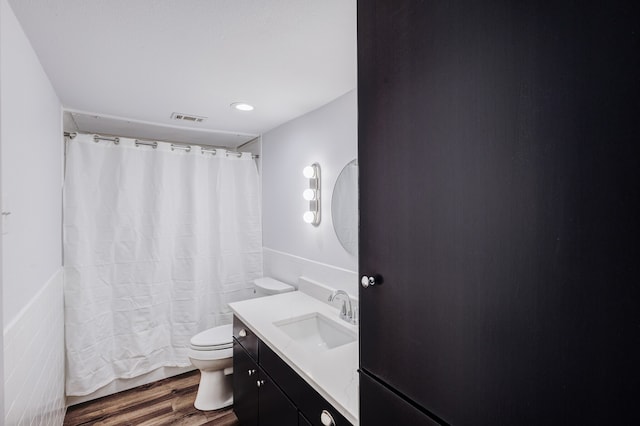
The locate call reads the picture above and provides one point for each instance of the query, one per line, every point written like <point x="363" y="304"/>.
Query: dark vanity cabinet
<point x="499" y="208"/>
<point x="266" y="391"/>
<point x="256" y="398"/>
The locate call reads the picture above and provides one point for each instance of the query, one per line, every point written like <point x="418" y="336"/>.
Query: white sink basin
<point x="316" y="332"/>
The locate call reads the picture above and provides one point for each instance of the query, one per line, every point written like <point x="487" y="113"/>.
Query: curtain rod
<point x="174" y="145"/>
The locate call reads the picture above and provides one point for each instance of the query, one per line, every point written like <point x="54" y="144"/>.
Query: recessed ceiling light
<point x="241" y="106"/>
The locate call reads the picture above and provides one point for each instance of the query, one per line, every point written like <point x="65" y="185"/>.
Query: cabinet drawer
<point x="245" y="337"/>
<point x="310" y="403"/>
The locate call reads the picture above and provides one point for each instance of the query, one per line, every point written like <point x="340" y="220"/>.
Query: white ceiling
<point x="133" y="63"/>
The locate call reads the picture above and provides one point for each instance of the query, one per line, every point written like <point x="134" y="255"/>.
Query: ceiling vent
<point x="187" y="117"/>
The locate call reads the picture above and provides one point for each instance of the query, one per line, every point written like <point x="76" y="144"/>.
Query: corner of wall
<point x="32" y="296"/>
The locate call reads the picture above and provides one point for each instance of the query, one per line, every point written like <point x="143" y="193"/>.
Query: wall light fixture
<point x="312" y="194"/>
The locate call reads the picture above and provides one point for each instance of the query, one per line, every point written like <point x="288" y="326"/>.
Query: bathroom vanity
<point x="294" y="362"/>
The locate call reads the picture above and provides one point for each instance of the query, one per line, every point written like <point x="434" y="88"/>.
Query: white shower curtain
<point x="156" y="243"/>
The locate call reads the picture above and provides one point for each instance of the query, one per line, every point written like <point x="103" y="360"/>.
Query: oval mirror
<point x="344" y="207"/>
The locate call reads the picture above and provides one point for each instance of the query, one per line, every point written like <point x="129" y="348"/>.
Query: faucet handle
<point x="346" y="314"/>
<point x="343" y="310"/>
<point x="354" y="315"/>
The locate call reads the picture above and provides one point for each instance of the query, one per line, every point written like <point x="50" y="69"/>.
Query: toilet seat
<point x="213" y="339"/>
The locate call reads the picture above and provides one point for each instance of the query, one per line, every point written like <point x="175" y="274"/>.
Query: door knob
<point x="242" y="333"/>
<point x="367" y="281"/>
<point x="260" y="383"/>
<point x="252" y="372"/>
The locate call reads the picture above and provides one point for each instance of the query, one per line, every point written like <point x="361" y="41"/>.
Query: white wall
<point x="327" y="136"/>
<point x="32" y="158"/>
<point x="34" y="360"/>
<point x="32" y="152"/>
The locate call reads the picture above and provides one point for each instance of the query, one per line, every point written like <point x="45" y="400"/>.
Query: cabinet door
<point x="275" y="408"/>
<point x="309" y="402"/>
<point x="302" y="421"/>
<point x="498" y="201"/>
<point x="245" y="389"/>
<point x="380" y="406"/>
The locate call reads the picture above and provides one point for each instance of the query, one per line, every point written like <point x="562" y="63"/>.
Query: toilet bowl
<point x="211" y="351"/>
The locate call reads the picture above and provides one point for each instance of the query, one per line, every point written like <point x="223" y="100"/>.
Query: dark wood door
<point x="245" y="389"/>
<point x="499" y="188"/>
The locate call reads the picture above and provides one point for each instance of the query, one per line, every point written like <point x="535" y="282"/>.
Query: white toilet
<point x="211" y="351"/>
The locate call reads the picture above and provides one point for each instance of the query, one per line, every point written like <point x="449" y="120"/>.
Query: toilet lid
<point x="213" y="338"/>
<point x="272" y="285"/>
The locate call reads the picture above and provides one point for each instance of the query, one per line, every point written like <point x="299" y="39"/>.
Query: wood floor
<point x="165" y="402"/>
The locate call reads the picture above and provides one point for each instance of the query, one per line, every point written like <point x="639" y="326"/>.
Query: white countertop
<point x="332" y="373"/>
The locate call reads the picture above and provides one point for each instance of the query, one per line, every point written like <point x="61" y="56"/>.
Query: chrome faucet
<point x="350" y="315"/>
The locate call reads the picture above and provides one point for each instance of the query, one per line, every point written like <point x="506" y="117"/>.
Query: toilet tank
<point x="267" y="286"/>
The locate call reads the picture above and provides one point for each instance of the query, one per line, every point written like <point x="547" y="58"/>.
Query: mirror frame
<point x="343" y="185"/>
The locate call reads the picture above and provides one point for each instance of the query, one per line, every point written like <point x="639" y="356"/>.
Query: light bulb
<point x="309" y="194"/>
<point x="309" y="172"/>
<point x="309" y="217"/>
